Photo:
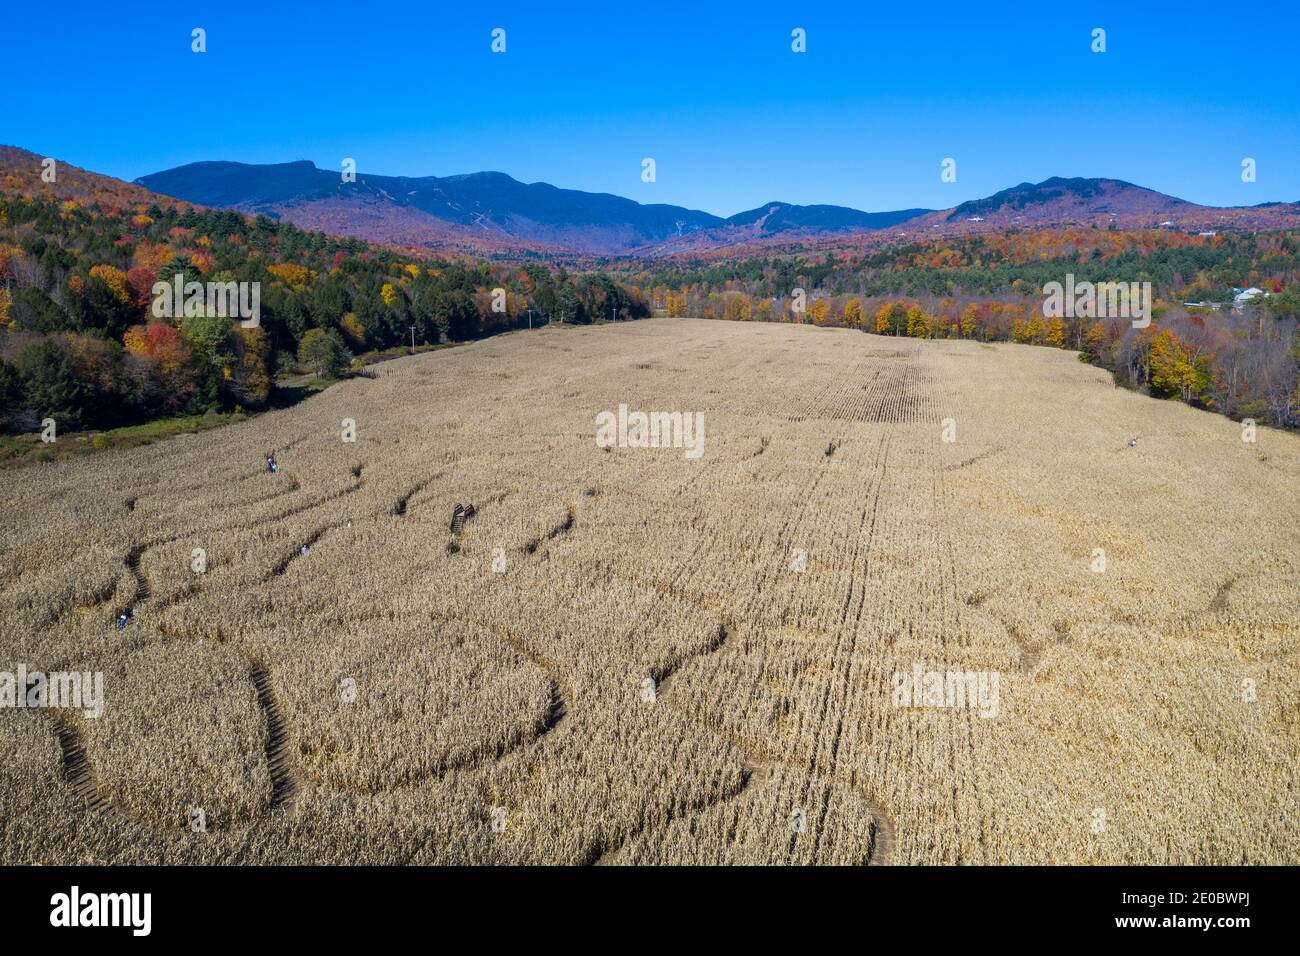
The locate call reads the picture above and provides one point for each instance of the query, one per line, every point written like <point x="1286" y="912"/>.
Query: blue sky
<point x="713" y="92"/>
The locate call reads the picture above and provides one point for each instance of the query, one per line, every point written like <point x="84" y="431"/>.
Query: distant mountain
<point x="1058" y="197"/>
<point x="491" y="210"/>
<point x="1061" y="202"/>
<point x="1057" y="202"/>
<point x="490" y="206"/>
<point x="776" y="217"/>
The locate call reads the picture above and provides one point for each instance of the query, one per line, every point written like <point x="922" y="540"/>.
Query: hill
<point x="1057" y="198"/>
<point x="21" y="174"/>
<point x="1059" y="202"/>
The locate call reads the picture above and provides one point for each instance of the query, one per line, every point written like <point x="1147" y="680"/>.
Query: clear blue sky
<point x="712" y="92"/>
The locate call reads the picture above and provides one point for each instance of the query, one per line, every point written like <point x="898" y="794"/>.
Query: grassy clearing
<point x="17" y="450"/>
<point x="384" y="355"/>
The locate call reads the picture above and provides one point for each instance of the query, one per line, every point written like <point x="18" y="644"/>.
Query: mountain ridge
<point x="495" y="204"/>
<point x="490" y="212"/>
<point x="493" y="210"/>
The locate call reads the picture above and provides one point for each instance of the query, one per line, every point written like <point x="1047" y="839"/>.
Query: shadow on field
<point x="289" y="396"/>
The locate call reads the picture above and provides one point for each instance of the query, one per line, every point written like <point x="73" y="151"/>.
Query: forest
<point x="1202" y="348"/>
<point x="80" y="343"/>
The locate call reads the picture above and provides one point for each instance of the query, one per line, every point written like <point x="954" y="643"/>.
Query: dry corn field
<point x="627" y="655"/>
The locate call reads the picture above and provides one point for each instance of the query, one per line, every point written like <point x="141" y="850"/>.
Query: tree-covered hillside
<point x="81" y="342"/>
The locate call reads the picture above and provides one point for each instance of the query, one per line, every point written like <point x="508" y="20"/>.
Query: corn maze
<point x="631" y="657"/>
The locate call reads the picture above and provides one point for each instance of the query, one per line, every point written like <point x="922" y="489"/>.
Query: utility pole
<point x="530" y="319"/>
<point x="613" y="314"/>
<point x="412" y="339"/>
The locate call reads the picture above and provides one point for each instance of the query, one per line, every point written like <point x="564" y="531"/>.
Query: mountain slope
<point x="1058" y="197"/>
<point x="492" y="209"/>
<point x="776" y="217"/>
<point x="492" y="212"/>
<point x="1061" y="202"/>
<point x="487" y="206"/>
<point x="20" y="173"/>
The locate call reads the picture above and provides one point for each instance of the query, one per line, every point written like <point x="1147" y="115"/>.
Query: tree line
<point x="80" y="340"/>
<point x="1240" y="359"/>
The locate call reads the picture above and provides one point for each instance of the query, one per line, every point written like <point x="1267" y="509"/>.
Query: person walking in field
<point x="123" y="619"/>
<point x="271" y="466"/>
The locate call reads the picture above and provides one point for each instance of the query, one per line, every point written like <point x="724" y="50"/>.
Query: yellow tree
<point x="1094" y="340"/>
<point x="1055" y="335"/>
<point x="737" y="307"/>
<point x="114" y="279"/>
<point x="853" y="313"/>
<point x="1175" y="369"/>
<point x="969" y="320"/>
<point x="745" y="307"/>
<point x="250" y="377"/>
<point x="292" y="273"/>
<point x="918" y="323"/>
<point x="883" y="315"/>
<point x="353" y="330"/>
